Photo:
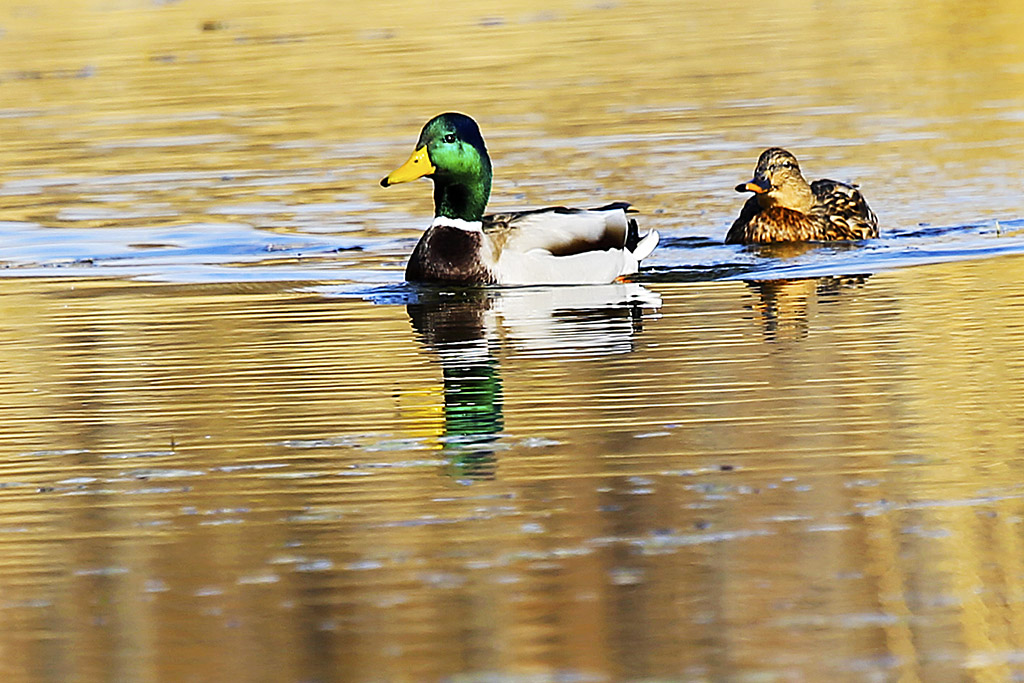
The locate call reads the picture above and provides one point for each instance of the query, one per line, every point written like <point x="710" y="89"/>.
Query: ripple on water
<point x="744" y="459"/>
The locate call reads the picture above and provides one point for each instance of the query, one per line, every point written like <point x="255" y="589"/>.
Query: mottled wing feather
<point x="845" y="209"/>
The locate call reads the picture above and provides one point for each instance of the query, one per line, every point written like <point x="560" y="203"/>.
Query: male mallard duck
<point x="540" y="246"/>
<point x="785" y="208"/>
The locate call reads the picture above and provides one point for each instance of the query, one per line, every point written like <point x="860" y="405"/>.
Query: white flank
<point x="528" y="258"/>
<point x="468" y="226"/>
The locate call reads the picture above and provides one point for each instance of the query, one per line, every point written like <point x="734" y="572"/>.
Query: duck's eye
<point x="450" y="138"/>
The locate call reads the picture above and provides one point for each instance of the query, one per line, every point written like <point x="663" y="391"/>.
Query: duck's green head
<point x="451" y="152"/>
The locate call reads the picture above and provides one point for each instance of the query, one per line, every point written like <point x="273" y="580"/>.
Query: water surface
<point x="236" y="446"/>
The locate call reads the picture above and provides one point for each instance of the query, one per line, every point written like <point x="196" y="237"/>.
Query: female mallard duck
<point x="541" y="246"/>
<point x="785" y="208"/>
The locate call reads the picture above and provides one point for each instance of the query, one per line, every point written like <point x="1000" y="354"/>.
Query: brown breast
<point x="448" y="254"/>
<point x="775" y="224"/>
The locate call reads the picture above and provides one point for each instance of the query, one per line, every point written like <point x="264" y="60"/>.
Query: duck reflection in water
<point x="454" y="329"/>
<point x="470" y="330"/>
<point x="783" y="307"/>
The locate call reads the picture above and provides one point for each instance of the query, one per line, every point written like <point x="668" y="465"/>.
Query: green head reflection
<point x="473" y="417"/>
<point x="454" y="329"/>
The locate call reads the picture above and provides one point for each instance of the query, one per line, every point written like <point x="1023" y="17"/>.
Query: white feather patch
<point x="646" y="245"/>
<point x="552" y="231"/>
<point x="539" y="267"/>
<point x="468" y="226"/>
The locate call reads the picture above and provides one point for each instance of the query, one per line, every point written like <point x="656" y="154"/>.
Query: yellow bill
<point x="417" y="166"/>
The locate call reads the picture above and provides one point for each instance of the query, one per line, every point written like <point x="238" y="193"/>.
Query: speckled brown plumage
<point x="785" y="208"/>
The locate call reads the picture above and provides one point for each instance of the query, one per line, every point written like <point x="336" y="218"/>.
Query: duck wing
<point x="561" y="231"/>
<point x="559" y="245"/>
<point x="845" y="210"/>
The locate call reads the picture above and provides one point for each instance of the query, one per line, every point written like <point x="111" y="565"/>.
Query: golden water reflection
<point x="255" y="480"/>
<point x="227" y="472"/>
<point x="465" y="329"/>
<point x="783" y="307"/>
